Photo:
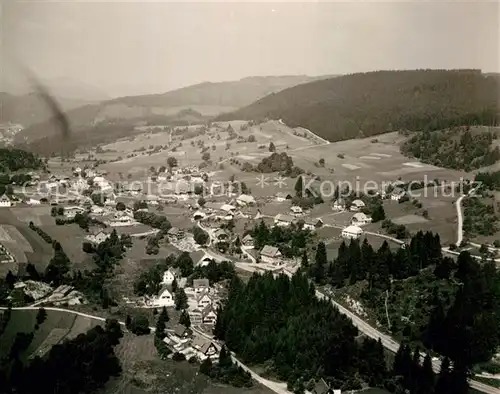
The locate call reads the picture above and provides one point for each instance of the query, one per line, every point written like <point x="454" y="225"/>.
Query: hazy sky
<point x="133" y="48"/>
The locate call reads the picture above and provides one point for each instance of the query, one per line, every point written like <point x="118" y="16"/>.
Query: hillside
<point x="372" y="103"/>
<point x="460" y="148"/>
<point x="207" y="99"/>
<point x="30" y="109"/>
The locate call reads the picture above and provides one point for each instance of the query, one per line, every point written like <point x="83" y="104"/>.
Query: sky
<point x="128" y="48"/>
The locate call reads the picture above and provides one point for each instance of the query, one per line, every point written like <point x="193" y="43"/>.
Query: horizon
<point x="128" y="49"/>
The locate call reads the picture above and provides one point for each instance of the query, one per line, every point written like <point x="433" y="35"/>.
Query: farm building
<point x="201" y="285"/>
<point x="339" y="205"/>
<point x="205" y="348"/>
<point x="270" y="254"/>
<point x="352" y="232"/>
<point x="312" y="224"/>
<point x="165" y="297"/>
<point x="397" y="194"/>
<point x="360" y="219"/>
<point x="297" y="211"/>
<point x="281" y="196"/>
<point x="283" y="220"/>
<point x="247" y="241"/>
<point x="198" y="215"/>
<point x="245" y="200"/>
<point x="5" y="201"/>
<point x="170" y="275"/>
<point x="98" y="238"/>
<point x="357" y="205"/>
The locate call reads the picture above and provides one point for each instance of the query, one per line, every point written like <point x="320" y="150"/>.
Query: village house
<point x="96" y="210"/>
<point x="281" y="196"/>
<point x="165" y="298"/>
<point x="230" y="209"/>
<point x="270" y="254"/>
<point x="296" y="210"/>
<point x="352" y="232"/>
<point x="247" y="241"/>
<point x="360" y="219"/>
<point x="70" y="212"/>
<point x="209" y="315"/>
<point x="110" y="200"/>
<point x="33" y="201"/>
<point x="312" y="224"/>
<point x="357" y="205"/>
<point x="200" y="258"/>
<point x="203" y="299"/>
<point x="198" y="215"/>
<point x="182" y="332"/>
<point x="221" y="235"/>
<point x="397" y="194"/>
<point x="5" y="201"/>
<point x="175" y="233"/>
<point x="170" y="275"/>
<point x="321" y="387"/>
<point x="283" y="220"/>
<point x="205" y="348"/>
<point x="339" y="205"/>
<point x="195" y="316"/>
<point x="98" y="238"/>
<point x="183" y="187"/>
<point x="201" y="285"/>
<point x="245" y="200"/>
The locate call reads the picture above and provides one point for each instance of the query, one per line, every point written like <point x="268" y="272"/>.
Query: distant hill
<point x="365" y="104"/>
<point x="30" y="109"/>
<point x="202" y="101"/>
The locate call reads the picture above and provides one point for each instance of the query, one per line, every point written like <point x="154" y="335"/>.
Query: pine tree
<point x="128" y="322"/>
<point x="180" y="300"/>
<point x="10" y="279"/>
<point x="299" y="186"/>
<point x="443" y="381"/>
<point x="272" y="147"/>
<point x="161" y="323"/>
<point x="305" y="261"/>
<point x="174" y="286"/>
<point x="184" y="319"/>
<point x="321" y="260"/>
<point x="427" y="376"/>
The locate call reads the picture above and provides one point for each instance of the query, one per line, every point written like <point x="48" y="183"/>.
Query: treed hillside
<point x="372" y="103"/>
<point x="17" y="159"/>
<point x="460" y="148"/>
<point x="206" y="98"/>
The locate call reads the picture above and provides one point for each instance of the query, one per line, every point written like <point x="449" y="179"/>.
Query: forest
<point x="17" y="159"/>
<point x="280" y="324"/>
<point x="366" y="104"/>
<point x="468" y="313"/>
<point x="458" y="148"/>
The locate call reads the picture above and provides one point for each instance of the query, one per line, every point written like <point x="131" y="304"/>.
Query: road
<point x="277" y="387"/>
<point x="387" y="341"/>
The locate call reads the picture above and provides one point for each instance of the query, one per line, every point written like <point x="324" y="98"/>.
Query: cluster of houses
<point x="184" y="340"/>
<point x="202" y="298"/>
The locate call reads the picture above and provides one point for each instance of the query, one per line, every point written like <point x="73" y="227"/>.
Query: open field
<point x="57" y="327"/>
<point x="26" y="244"/>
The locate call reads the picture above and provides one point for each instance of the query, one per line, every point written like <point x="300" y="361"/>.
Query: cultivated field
<point x="26" y="245"/>
<point x="57" y="327"/>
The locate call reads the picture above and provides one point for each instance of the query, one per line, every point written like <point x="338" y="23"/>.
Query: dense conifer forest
<point x="366" y="104"/>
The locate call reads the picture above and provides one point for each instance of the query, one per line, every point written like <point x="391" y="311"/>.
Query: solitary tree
<point x="299" y="186"/>
<point x="180" y="299"/>
<point x="184" y="319"/>
<point x="272" y="147"/>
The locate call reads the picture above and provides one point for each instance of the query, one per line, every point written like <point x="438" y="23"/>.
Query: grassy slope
<point x="24" y="321"/>
<point x="339" y="108"/>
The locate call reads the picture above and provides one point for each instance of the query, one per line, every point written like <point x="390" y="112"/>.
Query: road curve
<point x="278" y="388"/>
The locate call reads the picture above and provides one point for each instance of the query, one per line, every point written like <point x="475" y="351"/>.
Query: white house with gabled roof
<point x="5" y="201"/>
